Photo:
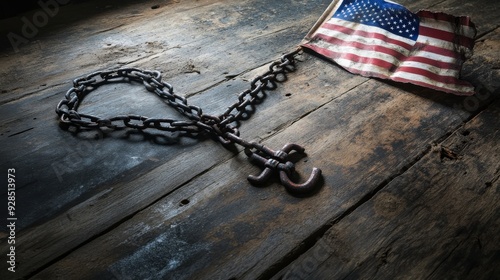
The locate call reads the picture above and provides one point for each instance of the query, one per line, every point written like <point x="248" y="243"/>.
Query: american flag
<point x="377" y="38"/>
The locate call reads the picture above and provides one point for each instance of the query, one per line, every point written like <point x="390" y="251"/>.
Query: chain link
<point x="224" y="126"/>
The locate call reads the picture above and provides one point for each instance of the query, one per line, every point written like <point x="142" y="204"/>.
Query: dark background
<point x="13" y="8"/>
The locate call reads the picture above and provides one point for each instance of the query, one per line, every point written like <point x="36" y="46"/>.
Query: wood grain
<point x="438" y="220"/>
<point x="239" y="230"/>
<point x="128" y="205"/>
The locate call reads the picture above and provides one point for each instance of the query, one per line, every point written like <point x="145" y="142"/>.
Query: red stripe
<point x="352" y="57"/>
<point x="432" y="62"/>
<point x="386" y="65"/>
<point x="335" y="41"/>
<point x="437" y="50"/>
<point x="463" y="20"/>
<point x="397" y="55"/>
<point x="432" y="75"/>
<point x="448" y="80"/>
<point x="369" y="35"/>
<point x="446" y="36"/>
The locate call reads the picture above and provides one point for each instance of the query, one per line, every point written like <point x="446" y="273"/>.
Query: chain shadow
<point x="161" y="138"/>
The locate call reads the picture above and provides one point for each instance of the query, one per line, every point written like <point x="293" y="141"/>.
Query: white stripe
<point x="431" y="68"/>
<point x="362" y="67"/>
<point x="360" y="39"/>
<point x="433" y="56"/>
<point x="373" y="70"/>
<point x="438" y="43"/>
<point x="347" y="49"/>
<point x="388" y="1"/>
<point x="369" y="29"/>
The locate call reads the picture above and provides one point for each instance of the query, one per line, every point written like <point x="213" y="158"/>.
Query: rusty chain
<point x="224" y="126"/>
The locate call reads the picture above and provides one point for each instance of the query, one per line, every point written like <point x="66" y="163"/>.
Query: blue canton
<point x="389" y="16"/>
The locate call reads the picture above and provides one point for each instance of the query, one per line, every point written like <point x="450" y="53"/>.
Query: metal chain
<point x="224" y="127"/>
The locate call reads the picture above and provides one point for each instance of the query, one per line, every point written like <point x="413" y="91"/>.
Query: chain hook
<point x="306" y="187"/>
<point x="285" y="169"/>
<point x="296" y="188"/>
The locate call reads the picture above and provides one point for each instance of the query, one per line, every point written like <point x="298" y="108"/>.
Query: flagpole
<point x="328" y="13"/>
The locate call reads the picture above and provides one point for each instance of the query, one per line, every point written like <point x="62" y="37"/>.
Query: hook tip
<point x="306" y="187"/>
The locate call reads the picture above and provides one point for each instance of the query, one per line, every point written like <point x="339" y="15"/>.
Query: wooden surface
<point x="410" y="176"/>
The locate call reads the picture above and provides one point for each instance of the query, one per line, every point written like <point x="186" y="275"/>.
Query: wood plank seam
<point x="279" y="129"/>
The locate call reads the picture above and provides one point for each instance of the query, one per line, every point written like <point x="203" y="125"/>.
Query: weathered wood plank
<point x="439" y="220"/>
<point x="118" y="167"/>
<point x="450" y="193"/>
<point x="198" y="35"/>
<point x="66" y="165"/>
<point x="108" y="196"/>
<point x="241" y="231"/>
<point x="191" y="229"/>
<point x="115" y="201"/>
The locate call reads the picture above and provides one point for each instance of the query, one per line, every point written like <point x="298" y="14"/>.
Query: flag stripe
<point x="431" y="75"/>
<point x="433" y="50"/>
<point x="443" y="58"/>
<point x="429" y="61"/>
<point x="361" y="46"/>
<point x="379" y="69"/>
<point x="376" y="51"/>
<point x="463" y="21"/>
<point x="418" y="65"/>
<point x="447" y="38"/>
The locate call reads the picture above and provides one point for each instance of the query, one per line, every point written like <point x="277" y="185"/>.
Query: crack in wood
<point x="20" y="132"/>
<point x="485" y="33"/>
<point x="31" y="93"/>
<point x="317" y="235"/>
<point x="108" y="29"/>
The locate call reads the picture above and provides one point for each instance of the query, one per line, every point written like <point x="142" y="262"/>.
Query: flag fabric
<point x="377" y="38"/>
